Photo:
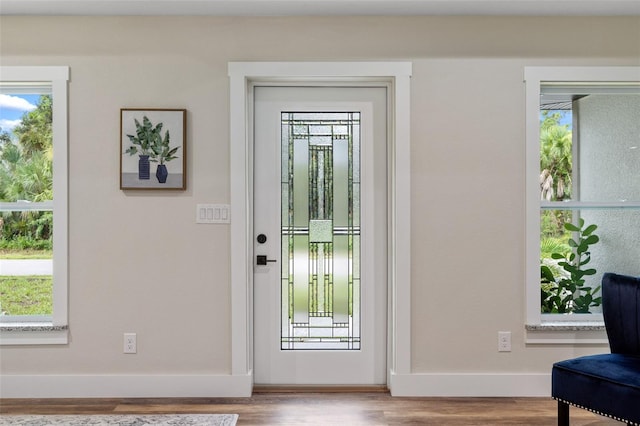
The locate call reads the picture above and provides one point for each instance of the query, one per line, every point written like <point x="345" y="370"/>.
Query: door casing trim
<point x="243" y="76"/>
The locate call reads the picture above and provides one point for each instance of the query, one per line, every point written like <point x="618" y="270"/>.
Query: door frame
<point x="394" y="75"/>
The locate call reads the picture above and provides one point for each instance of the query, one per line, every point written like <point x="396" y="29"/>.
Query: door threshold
<point x="320" y="389"/>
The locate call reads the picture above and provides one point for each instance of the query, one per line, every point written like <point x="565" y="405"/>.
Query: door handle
<point x="262" y="260"/>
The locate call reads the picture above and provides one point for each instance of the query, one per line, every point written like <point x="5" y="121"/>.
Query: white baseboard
<point x="195" y="386"/>
<point x="124" y="386"/>
<point x="471" y="385"/>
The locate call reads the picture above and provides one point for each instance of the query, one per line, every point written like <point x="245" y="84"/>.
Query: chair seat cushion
<point x="607" y="383"/>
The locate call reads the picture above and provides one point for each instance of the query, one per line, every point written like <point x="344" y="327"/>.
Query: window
<point x="583" y="189"/>
<point x="33" y="205"/>
<point x="321" y="230"/>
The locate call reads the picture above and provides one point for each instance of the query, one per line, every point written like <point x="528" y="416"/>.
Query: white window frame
<point x="29" y="330"/>
<point x="550" y="328"/>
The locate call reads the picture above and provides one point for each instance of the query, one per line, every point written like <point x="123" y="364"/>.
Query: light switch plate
<point x="213" y="213"/>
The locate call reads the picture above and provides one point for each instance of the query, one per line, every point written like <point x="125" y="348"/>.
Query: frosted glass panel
<point x="320" y="231"/>
<point x="300" y="294"/>
<point x="300" y="183"/>
<point x="341" y="279"/>
<point x="341" y="183"/>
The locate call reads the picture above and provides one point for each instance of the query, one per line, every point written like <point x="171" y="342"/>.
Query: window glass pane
<point x="26" y="144"/>
<point x="26" y="178"/>
<point x="589" y="144"/>
<point x="26" y="286"/>
<point x="320" y="231"/>
<point x="608" y="129"/>
<point x="618" y="249"/>
<point x="556" y="152"/>
<point x="589" y="154"/>
<point x="596" y="240"/>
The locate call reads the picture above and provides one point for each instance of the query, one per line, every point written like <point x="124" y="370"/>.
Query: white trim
<point x="26" y="206"/>
<point x="581" y="75"/>
<point x="241" y="279"/>
<point x="577" y="319"/>
<point x="44" y="337"/>
<point x="241" y="75"/>
<point x="471" y="385"/>
<point x="124" y="386"/>
<point x="535" y="77"/>
<point x="583" y="337"/>
<point x="400" y="240"/>
<point x="159" y="386"/>
<point x="58" y="77"/>
<point x="60" y="196"/>
<point x="577" y="205"/>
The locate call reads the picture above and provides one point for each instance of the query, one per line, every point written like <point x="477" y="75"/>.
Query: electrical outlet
<point x="130" y="343"/>
<point x="504" y="341"/>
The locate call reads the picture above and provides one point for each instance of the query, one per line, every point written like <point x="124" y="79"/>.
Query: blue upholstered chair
<point x="607" y="384"/>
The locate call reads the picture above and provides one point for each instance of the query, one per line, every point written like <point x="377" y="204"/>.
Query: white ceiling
<point x="321" y="7"/>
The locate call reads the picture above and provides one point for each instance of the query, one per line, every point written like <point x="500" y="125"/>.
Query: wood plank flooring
<point x="299" y="407"/>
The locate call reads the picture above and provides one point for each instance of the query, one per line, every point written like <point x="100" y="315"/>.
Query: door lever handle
<point x="262" y="260"/>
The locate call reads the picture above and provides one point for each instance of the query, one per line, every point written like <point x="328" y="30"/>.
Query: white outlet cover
<point x="504" y="341"/>
<point x="130" y="343"/>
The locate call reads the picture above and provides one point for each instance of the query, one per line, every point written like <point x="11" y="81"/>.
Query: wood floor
<point x="327" y="408"/>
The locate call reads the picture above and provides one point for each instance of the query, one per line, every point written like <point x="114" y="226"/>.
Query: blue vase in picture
<point x="162" y="173"/>
<point x="143" y="167"/>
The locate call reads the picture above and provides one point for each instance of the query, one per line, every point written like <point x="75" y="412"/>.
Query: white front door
<point x="320" y="235"/>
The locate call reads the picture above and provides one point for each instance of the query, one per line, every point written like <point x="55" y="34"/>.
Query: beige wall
<point x="168" y="281"/>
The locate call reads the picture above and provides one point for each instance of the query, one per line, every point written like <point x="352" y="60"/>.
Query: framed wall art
<point x="153" y="148"/>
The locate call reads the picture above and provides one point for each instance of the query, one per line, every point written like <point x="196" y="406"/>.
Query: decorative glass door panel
<point x="320" y="225"/>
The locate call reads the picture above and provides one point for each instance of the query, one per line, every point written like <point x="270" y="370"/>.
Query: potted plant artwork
<point x="161" y="153"/>
<point x="157" y="136"/>
<point x="142" y="142"/>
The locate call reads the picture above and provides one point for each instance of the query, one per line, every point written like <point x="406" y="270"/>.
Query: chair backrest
<point x="621" y="311"/>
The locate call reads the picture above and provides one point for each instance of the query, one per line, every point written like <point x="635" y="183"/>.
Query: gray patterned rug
<point x="122" y="420"/>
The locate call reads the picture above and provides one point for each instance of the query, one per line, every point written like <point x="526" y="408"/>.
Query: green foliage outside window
<point x="555" y="157"/>
<point x="26" y="174"/>
<point x="564" y="247"/>
<point x="555" y="180"/>
<point x="563" y="288"/>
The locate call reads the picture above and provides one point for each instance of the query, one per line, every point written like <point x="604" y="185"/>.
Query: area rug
<point x="121" y="420"/>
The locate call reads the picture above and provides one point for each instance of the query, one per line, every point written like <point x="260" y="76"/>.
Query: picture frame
<point x="153" y="148"/>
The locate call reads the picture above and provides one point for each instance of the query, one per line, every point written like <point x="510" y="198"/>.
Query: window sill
<point x="33" y="333"/>
<point x="563" y="333"/>
<point x="567" y="326"/>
